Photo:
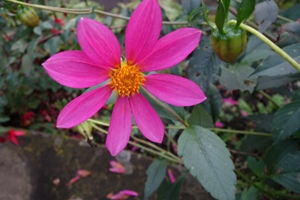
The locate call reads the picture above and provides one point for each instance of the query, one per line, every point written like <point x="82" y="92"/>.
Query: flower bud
<point x="28" y="16"/>
<point x="230" y="45"/>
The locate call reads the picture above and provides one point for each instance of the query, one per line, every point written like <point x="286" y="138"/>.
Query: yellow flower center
<point x="126" y="80"/>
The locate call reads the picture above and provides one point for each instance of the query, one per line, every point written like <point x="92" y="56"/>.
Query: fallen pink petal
<point x="83" y="173"/>
<point x="73" y="180"/>
<point x="171" y="176"/>
<point x="219" y="124"/>
<point x="124" y="194"/>
<point x="230" y="101"/>
<point x="117" y="167"/>
<point x="99" y="61"/>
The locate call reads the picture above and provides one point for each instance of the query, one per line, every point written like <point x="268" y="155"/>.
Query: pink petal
<point x="124" y="194"/>
<point x="117" y="167"/>
<point x="14" y="140"/>
<point x="83" y="173"/>
<point x="230" y="101"/>
<point x="129" y="192"/>
<point x="98" y="42"/>
<point x="219" y="124"/>
<point x="120" y="126"/>
<point x="143" y="30"/>
<point x="174" y="90"/>
<point x="83" y="107"/>
<point x="16" y="132"/>
<point x="74" y="69"/>
<point x="147" y="119"/>
<point x="171" y="49"/>
<point x="171" y="176"/>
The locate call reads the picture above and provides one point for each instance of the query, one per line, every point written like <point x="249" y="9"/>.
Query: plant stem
<point x="170" y="138"/>
<point x="270" y="44"/>
<point x="154" y="152"/>
<point x="86" y="11"/>
<point x="98" y="122"/>
<point x="269" y="98"/>
<point x="156" y="147"/>
<point x="167" y="155"/>
<point x="240" y="132"/>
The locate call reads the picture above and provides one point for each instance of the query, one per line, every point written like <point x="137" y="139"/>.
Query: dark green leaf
<point x="250" y="194"/>
<point x="4" y="118"/>
<point x="27" y="65"/>
<point x="293" y="12"/>
<point x="278" y="152"/>
<point x="220" y="17"/>
<point x="288" y="172"/>
<point x="51" y="46"/>
<point x="170" y="191"/>
<point x="255" y="143"/>
<point x="204" y="65"/>
<point x="201" y="117"/>
<point x="213" y="103"/>
<point x="266" y="82"/>
<point x="289" y="33"/>
<point x="155" y="175"/>
<point x="275" y="65"/>
<point x="265" y="14"/>
<point x="237" y="77"/>
<point x="256" y="166"/>
<point x="189" y="5"/>
<point x="263" y="122"/>
<point x="226" y="7"/>
<point x="207" y="158"/>
<point x="286" y="121"/>
<point x="245" y="10"/>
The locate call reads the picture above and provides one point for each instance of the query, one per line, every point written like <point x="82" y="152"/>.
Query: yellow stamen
<point x="126" y="80"/>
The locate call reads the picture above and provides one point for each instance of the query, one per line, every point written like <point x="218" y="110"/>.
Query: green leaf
<point x="288" y="172"/>
<point x="256" y="166"/>
<point x="275" y="65"/>
<point x="288" y="33"/>
<point x="292" y="12"/>
<point x="204" y="65"/>
<point x="213" y="103"/>
<point x="237" y="77"/>
<point x="201" y="117"/>
<point x="27" y="65"/>
<point x="286" y="121"/>
<point x="170" y="191"/>
<point x="245" y="10"/>
<point x="220" y="17"/>
<point x="250" y="194"/>
<point x="255" y="143"/>
<point x="208" y="159"/>
<point x="155" y="175"/>
<point x="266" y="82"/>
<point x="265" y="14"/>
<point x="278" y="152"/>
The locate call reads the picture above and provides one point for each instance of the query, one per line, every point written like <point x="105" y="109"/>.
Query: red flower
<point x="11" y="135"/>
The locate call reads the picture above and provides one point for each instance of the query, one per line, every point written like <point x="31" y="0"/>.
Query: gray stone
<point x="27" y="172"/>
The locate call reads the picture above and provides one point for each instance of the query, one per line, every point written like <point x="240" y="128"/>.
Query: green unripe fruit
<point x="28" y="16"/>
<point x="230" y="45"/>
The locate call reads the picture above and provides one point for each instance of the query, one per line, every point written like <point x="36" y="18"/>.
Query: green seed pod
<point x="230" y="45"/>
<point x="28" y="16"/>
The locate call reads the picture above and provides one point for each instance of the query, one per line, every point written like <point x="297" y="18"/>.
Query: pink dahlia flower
<point x="100" y="62"/>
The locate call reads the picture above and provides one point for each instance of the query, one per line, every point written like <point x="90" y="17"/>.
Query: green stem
<point x="269" y="98"/>
<point x="240" y="132"/>
<point x="85" y="11"/>
<point x="156" y="147"/>
<point x="169" y="156"/>
<point x="170" y="138"/>
<point x="154" y="152"/>
<point x="270" y="44"/>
